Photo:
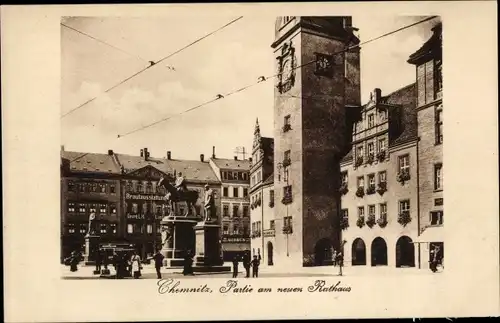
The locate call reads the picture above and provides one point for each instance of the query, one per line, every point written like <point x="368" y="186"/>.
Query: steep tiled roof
<point x="90" y="162"/>
<point x="348" y="156"/>
<point x="192" y="170"/>
<point x="406" y="98"/>
<point x="433" y="45"/>
<point x="223" y="163"/>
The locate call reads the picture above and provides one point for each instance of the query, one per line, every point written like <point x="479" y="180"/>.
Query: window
<point x="371" y="149"/>
<point x="140" y="187"/>
<point x="225" y="192"/>
<point x="245" y="176"/>
<point x="436" y="218"/>
<point x="438" y="176"/>
<point x="130" y="228"/>
<point x="404" y="163"/>
<point x="159" y="209"/>
<point x="230" y="176"/>
<point x="112" y="228"/>
<point x="71" y="228"/>
<point x="404" y="206"/>
<point x="259" y="177"/>
<point x="149" y="228"/>
<point x="287" y="120"/>
<point x="383" y="114"/>
<point x="82" y="187"/>
<point x="81" y="208"/>
<point x="130" y="187"/>
<point x="71" y="186"/>
<point x="360" y="151"/>
<point x="236" y="229"/>
<point x="225" y="210"/>
<point x="382" y="177"/>
<point x="149" y="187"/>
<point x="245" y="229"/>
<point x="343" y="178"/>
<point x="286" y="157"/>
<point x="71" y="207"/>
<point x="439" y="125"/>
<point x="383" y="209"/>
<point x="93" y="187"/>
<point x="235" y="176"/>
<point x="102" y="209"/>
<point x="287" y="221"/>
<point x="112" y="209"/>
<point x="103" y="229"/>
<point x="361" y="181"/>
<point x="345" y="213"/>
<point x="225" y="229"/>
<point x="102" y="188"/>
<point x="371" y="210"/>
<point x="286" y="19"/>
<point x="83" y="228"/>
<point x="112" y="188"/>
<point x="93" y="208"/>
<point x="287" y="193"/>
<point x="245" y="192"/>
<point x="245" y="210"/>
<point x="235" y="191"/>
<point x="135" y="208"/>
<point x="272" y="225"/>
<point x="371" y="180"/>
<point x="438" y="75"/>
<point x="371" y="120"/>
<point x="382" y="144"/>
<point x="224" y="175"/>
<point x="361" y="211"/>
<point x="271" y="195"/>
<point x="235" y="210"/>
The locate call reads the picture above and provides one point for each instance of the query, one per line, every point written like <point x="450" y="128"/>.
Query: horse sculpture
<point x="174" y="196"/>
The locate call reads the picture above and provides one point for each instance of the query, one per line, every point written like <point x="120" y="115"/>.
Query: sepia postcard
<point x="250" y="161"/>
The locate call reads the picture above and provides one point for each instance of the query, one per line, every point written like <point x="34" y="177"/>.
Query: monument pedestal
<point x="91" y="248"/>
<point x="181" y="240"/>
<point x="208" y="249"/>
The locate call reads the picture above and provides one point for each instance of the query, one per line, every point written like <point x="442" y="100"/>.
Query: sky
<point x="225" y="61"/>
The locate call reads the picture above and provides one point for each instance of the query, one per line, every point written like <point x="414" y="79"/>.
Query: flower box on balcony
<point x="287" y="229"/>
<point x="370" y="159"/>
<point x="370" y="222"/>
<point x="286" y="162"/>
<point x="255" y="234"/>
<point x="382" y="221"/>
<point x="359" y="161"/>
<point x="343" y="189"/>
<point x="287" y="127"/>
<point x="360" y="222"/>
<point x="287" y="199"/>
<point x="382" y="188"/>
<point x="381" y="156"/>
<point x="360" y="192"/>
<point x="344" y="223"/>
<point x="370" y="190"/>
<point x="404" y="218"/>
<point x="403" y="176"/>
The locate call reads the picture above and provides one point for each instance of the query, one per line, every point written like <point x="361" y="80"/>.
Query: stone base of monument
<point x="91" y="248"/>
<point x="208" y="256"/>
<point x="182" y="239"/>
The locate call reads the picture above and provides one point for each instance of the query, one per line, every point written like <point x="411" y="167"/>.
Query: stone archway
<point x="358" y="253"/>
<point x="270" y="253"/>
<point x="405" y="252"/>
<point x="323" y="252"/>
<point x="379" y="252"/>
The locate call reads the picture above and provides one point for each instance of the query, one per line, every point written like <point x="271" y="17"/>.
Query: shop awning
<point x="431" y="234"/>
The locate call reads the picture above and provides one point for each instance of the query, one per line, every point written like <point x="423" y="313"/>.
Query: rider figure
<point x="180" y="184"/>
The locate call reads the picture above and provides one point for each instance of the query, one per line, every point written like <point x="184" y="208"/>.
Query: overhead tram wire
<point x="155" y="64"/>
<point x="263" y="79"/>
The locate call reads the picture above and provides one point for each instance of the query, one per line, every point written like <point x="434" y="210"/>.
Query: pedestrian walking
<point x="73" y="260"/>
<point x="255" y="266"/>
<point x="136" y="265"/>
<point x="247" y="263"/>
<point x="435" y="254"/>
<point x="334" y="257"/>
<point x="235" y="267"/>
<point x="340" y="262"/>
<point x="158" y="259"/>
<point x="188" y="264"/>
<point x="98" y="261"/>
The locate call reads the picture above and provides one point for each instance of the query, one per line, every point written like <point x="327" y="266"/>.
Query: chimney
<point x="169" y="155"/>
<point x="146" y="154"/>
<point x="202" y="157"/>
<point x="142" y="152"/>
<point x="213" y="152"/>
<point x="377" y="94"/>
<point x="235" y="157"/>
<point x="110" y="152"/>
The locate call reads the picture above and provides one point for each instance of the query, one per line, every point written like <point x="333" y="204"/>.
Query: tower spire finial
<point x="256" y="137"/>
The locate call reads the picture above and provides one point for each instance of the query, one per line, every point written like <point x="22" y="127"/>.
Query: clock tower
<point x="317" y="91"/>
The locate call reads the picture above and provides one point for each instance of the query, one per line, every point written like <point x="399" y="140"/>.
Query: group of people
<point x="247" y="263"/>
<point x="436" y="259"/>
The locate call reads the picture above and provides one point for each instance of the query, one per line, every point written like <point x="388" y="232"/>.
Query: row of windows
<point x="235" y="191"/>
<point x="257" y="178"/>
<point x="82" y="228"/>
<point x="144" y="208"/>
<point x="234" y="176"/>
<point x="235" y="229"/>
<point x="382" y="147"/>
<point x="139" y="228"/>
<point x="91" y="187"/>
<point x="91" y="208"/>
<point x="404" y="206"/>
<point x="257" y="225"/>
<point x="236" y="210"/>
<point x="371" y="122"/>
<point x="147" y="187"/>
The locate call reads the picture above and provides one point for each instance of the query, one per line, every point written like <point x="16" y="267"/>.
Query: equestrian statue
<point x="178" y="192"/>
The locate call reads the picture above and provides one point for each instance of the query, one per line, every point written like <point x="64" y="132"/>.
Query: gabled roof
<point x="232" y="164"/>
<point x="90" y="162"/>
<point x="432" y="47"/>
<point x="192" y="170"/>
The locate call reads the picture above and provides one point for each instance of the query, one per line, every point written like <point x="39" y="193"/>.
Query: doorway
<point x="379" y="252"/>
